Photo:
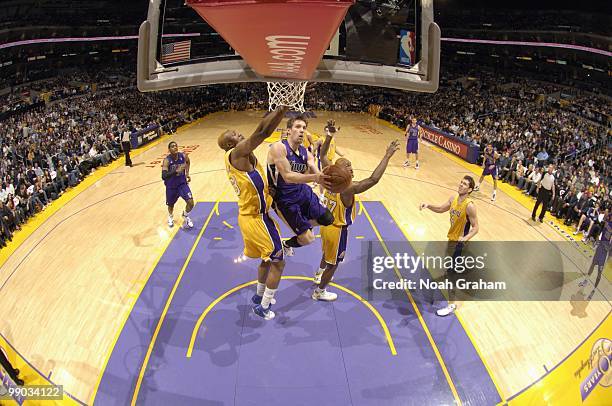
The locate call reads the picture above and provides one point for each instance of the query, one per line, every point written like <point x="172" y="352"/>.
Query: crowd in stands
<point x="528" y="136"/>
<point x="52" y="146"/>
<point x="541" y="20"/>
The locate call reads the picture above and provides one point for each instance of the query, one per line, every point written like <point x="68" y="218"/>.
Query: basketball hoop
<point x="287" y="94"/>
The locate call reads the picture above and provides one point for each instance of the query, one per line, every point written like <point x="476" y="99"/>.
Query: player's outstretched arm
<point x="444" y="207"/>
<point x="363" y="185"/>
<point x="310" y="161"/>
<point x="473" y="217"/>
<point x="330" y="131"/>
<point x="265" y="128"/>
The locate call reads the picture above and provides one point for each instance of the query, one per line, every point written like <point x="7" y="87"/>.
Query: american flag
<point x="176" y="51"/>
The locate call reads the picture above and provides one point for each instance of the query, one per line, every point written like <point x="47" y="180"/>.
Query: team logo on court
<point x="600" y="363"/>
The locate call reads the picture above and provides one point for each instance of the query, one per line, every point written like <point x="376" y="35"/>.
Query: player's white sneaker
<point x="317" y="277"/>
<point x="187" y="223"/>
<point x="476" y="188"/>
<point x="240" y="259"/>
<point x="170" y="221"/>
<point x="407" y="164"/>
<point x="287" y="251"/>
<point x="416" y="166"/>
<point x="445" y="311"/>
<point x="493" y="197"/>
<point x="265" y="314"/>
<point x="324" y="295"/>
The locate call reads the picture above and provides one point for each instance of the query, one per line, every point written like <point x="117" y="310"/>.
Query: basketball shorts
<point x="601" y="253"/>
<point x="490" y="170"/>
<point x="261" y="237"/>
<point x="333" y="241"/>
<point x="297" y="214"/>
<point x="172" y="194"/>
<point x="454" y="249"/>
<point x="412" y="146"/>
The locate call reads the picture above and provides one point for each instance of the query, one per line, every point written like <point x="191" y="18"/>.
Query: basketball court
<point x="137" y="297"/>
<point x="130" y="311"/>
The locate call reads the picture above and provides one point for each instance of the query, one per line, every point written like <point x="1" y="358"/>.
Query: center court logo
<point x="600" y="364"/>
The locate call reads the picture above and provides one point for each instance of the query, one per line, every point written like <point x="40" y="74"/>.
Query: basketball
<point x="339" y="178"/>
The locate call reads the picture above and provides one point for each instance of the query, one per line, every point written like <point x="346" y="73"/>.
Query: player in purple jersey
<point x="489" y="167"/>
<point x="412" y="143"/>
<point x="601" y="253"/>
<point x="175" y="173"/>
<point x="290" y="167"/>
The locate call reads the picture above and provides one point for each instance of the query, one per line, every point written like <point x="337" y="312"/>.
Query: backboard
<point x="388" y="43"/>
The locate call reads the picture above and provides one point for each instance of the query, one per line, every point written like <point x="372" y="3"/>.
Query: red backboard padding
<point x="278" y="39"/>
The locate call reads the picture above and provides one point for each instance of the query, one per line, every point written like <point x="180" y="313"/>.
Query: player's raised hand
<point x="330" y="128"/>
<point x="323" y="180"/>
<point x="394" y="146"/>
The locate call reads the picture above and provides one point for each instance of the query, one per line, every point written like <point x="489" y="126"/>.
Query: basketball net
<point x="287" y="94"/>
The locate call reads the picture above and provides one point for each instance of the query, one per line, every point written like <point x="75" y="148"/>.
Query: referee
<point x="546" y="193"/>
<point x="126" y="145"/>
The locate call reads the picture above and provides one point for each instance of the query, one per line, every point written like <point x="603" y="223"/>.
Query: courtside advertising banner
<point x="449" y="143"/>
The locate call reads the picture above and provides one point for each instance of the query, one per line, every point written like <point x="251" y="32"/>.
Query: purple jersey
<point x="175" y="181"/>
<point x="289" y="192"/>
<point x="606" y="235"/>
<point x="603" y="247"/>
<point x="489" y="157"/>
<point x="413" y="132"/>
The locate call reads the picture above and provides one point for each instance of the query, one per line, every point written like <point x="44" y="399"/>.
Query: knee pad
<point x="326" y="219"/>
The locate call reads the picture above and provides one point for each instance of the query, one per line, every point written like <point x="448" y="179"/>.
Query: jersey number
<point x="235" y="185"/>
<point x="330" y="204"/>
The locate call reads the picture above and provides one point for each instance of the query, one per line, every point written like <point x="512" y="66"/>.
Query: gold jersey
<point x="250" y="187"/>
<point x="460" y="223"/>
<point x="306" y="142"/>
<point x="343" y="216"/>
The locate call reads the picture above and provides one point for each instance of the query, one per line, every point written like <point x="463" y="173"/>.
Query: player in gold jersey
<point x="314" y="144"/>
<point x="311" y="141"/>
<point x="464" y="224"/>
<point x="259" y="231"/>
<point x="334" y="237"/>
